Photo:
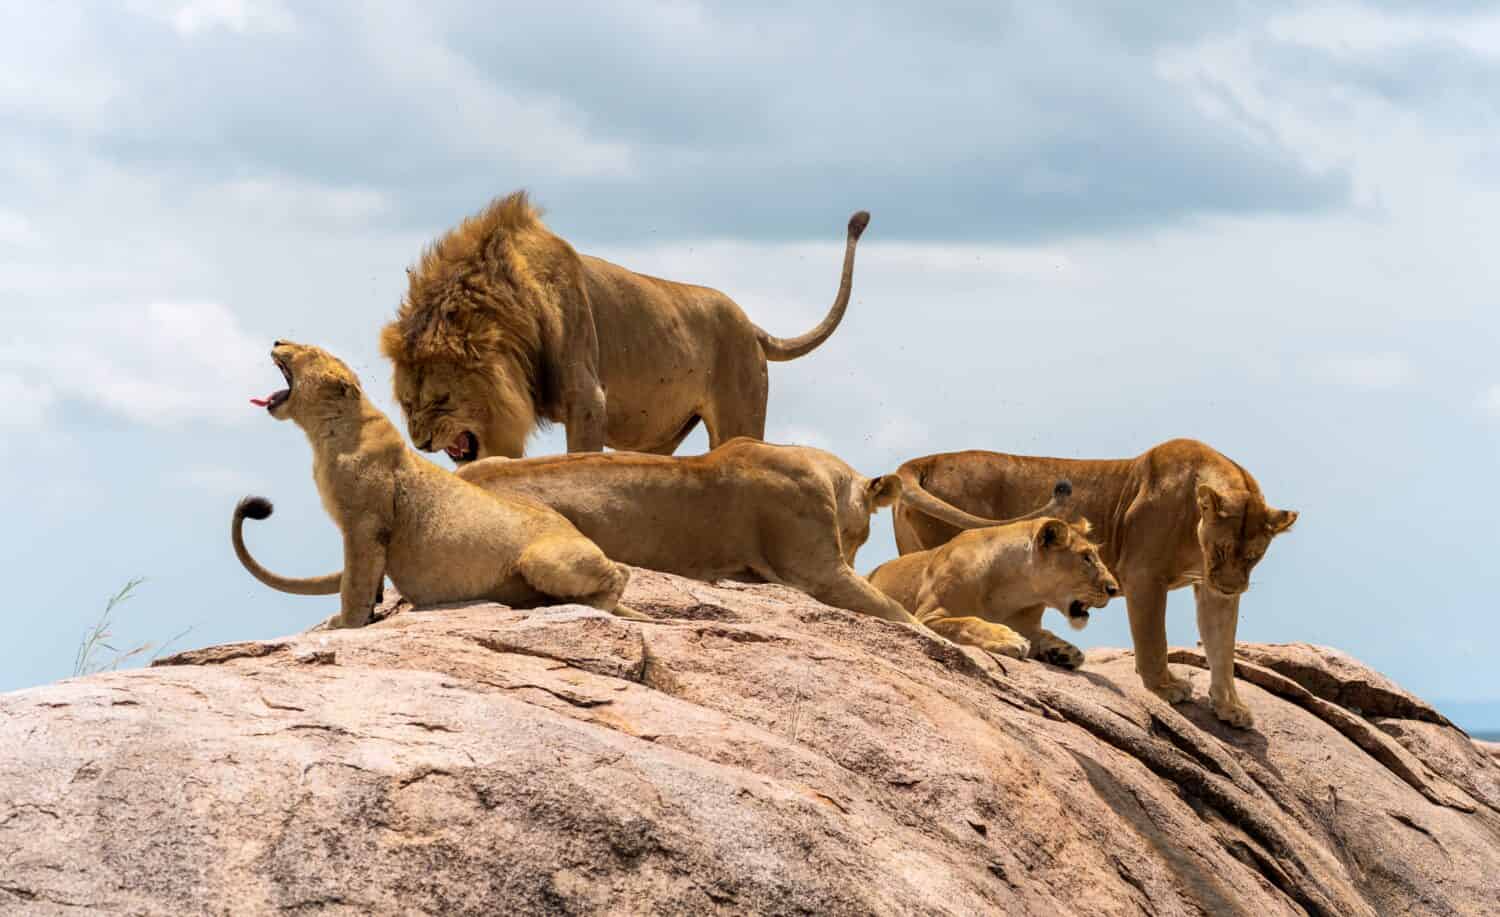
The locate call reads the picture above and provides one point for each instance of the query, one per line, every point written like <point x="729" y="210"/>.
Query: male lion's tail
<point x="781" y="349"/>
<point x="915" y="496"/>
<point x="260" y="508"/>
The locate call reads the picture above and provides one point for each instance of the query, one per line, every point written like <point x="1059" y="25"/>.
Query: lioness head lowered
<point x="854" y="522"/>
<point x="1234" y="529"/>
<point x="319" y="385"/>
<point x="1067" y="570"/>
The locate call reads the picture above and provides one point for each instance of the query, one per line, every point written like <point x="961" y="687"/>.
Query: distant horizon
<point x="1480" y="718"/>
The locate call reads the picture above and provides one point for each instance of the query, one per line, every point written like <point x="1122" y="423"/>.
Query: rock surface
<point x="752" y="751"/>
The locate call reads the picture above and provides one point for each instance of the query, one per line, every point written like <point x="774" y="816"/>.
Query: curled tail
<point x="260" y="508"/>
<point x="781" y="349"/>
<point x="915" y="496"/>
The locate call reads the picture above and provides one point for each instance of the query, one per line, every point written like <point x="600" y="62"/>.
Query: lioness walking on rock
<point x="440" y="539"/>
<point x="1180" y="514"/>
<point x="988" y="587"/>
<point x="505" y="326"/>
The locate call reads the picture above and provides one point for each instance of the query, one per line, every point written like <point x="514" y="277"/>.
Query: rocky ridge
<point x="750" y="751"/>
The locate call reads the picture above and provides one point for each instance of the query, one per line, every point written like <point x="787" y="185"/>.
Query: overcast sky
<point x="1095" y="226"/>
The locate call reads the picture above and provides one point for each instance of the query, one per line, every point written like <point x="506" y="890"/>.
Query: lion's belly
<point x="642" y="418"/>
<point x="666" y="351"/>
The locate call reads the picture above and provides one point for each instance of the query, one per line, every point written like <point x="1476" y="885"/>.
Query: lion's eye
<point x="440" y="402"/>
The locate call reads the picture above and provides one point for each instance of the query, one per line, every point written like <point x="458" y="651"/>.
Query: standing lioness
<point x="504" y="326"/>
<point x="439" y="539"/>
<point x="1179" y="514"/>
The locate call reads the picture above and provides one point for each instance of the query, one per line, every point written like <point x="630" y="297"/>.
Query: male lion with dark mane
<point x="504" y="326"/>
<point x="1179" y="514"/>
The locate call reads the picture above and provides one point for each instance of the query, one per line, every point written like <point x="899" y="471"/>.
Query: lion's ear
<point x="1052" y="534"/>
<point x="1210" y="501"/>
<point x="1279" y="520"/>
<point x="884" y="490"/>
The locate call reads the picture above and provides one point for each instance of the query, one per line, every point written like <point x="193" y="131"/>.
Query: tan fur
<point x="440" y="539"/>
<point x="746" y="510"/>
<point x="1180" y="514"/>
<point x="989" y="586"/>
<point x="505" y="326"/>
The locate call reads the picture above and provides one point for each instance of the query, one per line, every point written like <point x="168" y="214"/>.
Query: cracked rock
<point x="749" y="751"/>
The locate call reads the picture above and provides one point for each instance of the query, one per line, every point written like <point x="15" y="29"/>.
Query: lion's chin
<point x="1078" y="614"/>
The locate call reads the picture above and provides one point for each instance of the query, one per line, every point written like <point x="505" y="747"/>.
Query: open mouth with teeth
<point x="274" y="400"/>
<point x="464" y="448"/>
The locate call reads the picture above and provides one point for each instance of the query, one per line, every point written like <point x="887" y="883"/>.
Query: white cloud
<point x="476" y="115"/>
<point x="900" y="433"/>
<point x="292" y="202"/>
<point x="1371" y="372"/>
<point x="162" y="364"/>
<point x="50" y="70"/>
<point x="1347" y="29"/>
<point x="1489" y="401"/>
<point x="196" y="16"/>
<point x="216" y="480"/>
<point x="22" y="403"/>
<point x="799" y="436"/>
<point x="15" y="229"/>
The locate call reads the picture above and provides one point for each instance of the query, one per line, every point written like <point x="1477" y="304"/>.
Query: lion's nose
<point x="278" y="343"/>
<point x="1111" y="590"/>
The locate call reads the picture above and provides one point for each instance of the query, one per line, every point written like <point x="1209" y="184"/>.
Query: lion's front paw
<point x="1234" y="713"/>
<point x="1171" y="689"/>
<point x="1058" y="652"/>
<point x="1012" y="647"/>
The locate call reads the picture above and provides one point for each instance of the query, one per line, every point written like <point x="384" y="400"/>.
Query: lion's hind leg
<point x="996" y="639"/>
<point x="573" y="569"/>
<point x="849" y="590"/>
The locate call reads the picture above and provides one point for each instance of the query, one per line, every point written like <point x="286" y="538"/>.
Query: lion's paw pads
<point x="1062" y="654"/>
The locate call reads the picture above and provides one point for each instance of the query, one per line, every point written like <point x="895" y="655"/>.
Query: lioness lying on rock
<point x="440" y="539"/>
<point x="989" y="586"/>
<point x="1180" y="514"/>
<point x="748" y="510"/>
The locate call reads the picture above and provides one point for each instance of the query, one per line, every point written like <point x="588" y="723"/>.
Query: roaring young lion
<point x="505" y="326"/>
<point x="1179" y="514"/>
<point x="746" y="510"/>
<point x="989" y="586"/>
<point x="439" y="539"/>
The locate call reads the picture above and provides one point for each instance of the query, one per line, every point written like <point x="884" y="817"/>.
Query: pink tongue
<point x="260" y="402"/>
